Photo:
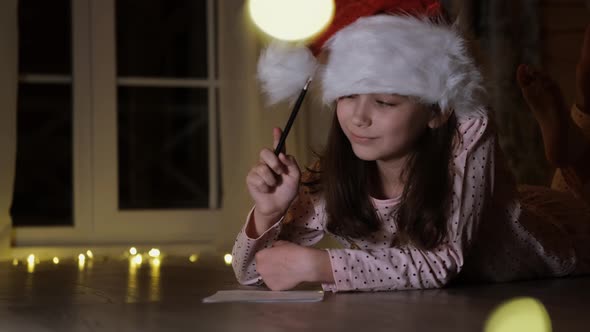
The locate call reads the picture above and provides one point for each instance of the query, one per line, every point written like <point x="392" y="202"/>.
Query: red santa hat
<point x="380" y="46"/>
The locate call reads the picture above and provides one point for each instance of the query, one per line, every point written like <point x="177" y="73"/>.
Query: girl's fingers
<point x="268" y="157"/>
<point x="276" y="137"/>
<point x="290" y="162"/>
<point x="263" y="188"/>
<point x="256" y="182"/>
<point x="266" y="175"/>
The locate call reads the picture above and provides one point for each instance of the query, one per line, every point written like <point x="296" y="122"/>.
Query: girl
<point x="412" y="181"/>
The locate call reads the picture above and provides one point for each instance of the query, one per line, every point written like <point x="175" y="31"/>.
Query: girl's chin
<point x="368" y="155"/>
<point x="364" y="154"/>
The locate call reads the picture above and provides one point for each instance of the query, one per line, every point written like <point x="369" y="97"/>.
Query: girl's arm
<point x="287" y="264"/>
<point x="301" y="225"/>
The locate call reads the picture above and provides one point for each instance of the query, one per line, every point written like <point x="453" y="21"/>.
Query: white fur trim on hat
<point x="283" y="70"/>
<point x="403" y="55"/>
<point x="397" y="54"/>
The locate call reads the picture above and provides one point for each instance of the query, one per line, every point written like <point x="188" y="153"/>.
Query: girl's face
<point x="382" y="127"/>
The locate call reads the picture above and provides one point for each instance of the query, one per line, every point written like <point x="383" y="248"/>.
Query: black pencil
<point x="296" y="108"/>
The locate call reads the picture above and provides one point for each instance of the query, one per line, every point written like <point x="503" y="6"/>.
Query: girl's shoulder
<point x="473" y="124"/>
<point x="472" y="131"/>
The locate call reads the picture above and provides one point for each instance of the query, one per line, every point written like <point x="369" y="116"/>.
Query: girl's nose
<point x="360" y="114"/>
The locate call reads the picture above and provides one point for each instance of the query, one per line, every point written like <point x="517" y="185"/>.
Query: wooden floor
<point x="114" y="295"/>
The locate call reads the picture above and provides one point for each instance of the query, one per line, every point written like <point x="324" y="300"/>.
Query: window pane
<point x="45" y="42"/>
<point x="161" y="38"/>
<point x="163" y="140"/>
<point x="43" y="183"/>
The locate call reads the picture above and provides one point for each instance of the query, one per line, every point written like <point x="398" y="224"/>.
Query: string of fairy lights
<point x="84" y="259"/>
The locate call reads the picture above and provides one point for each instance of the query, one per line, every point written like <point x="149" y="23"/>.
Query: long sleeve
<point x="302" y="225"/>
<point x="389" y="268"/>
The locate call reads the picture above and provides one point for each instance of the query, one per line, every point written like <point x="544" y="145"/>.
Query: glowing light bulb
<point x="137" y="259"/>
<point x="227" y="258"/>
<point x="133" y="251"/>
<point x="154" y="252"/>
<point x="55" y="260"/>
<point x="193" y="258"/>
<point x="81" y="262"/>
<point x="81" y="265"/>
<point x="291" y="20"/>
<point x="89" y="254"/>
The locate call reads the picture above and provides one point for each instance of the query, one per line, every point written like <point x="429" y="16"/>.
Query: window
<point x="163" y="89"/>
<point x="119" y="137"/>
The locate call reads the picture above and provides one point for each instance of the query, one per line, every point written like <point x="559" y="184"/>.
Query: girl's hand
<point x="273" y="184"/>
<point x="286" y="264"/>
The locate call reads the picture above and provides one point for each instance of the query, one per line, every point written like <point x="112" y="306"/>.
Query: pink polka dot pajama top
<point x="497" y="231"/>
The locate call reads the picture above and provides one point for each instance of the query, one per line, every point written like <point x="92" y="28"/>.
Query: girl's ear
<point x="439" y="118"/>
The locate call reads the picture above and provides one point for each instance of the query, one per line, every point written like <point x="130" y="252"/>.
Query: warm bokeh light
<point x="55" y="260"/>
<point x="31" y="263"/>
<point x="227" y="258"/>
<point x="154" y="252"/>
<point x="137" y="259"/>
<point x="81" y="262"/>
<point x="291" y="20"/>
<point x="155" y="262"/>
<point x="133" y="251"/>
<point x="154" y="289"/>
<point x="193" y="258"/>
<point x="132" y="282"/>
<point x="519" y="314"/>
<point x="15" y="262"/>
<point x="89" y="254"/>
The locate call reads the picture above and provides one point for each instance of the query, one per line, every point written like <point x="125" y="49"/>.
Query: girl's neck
<point x="388" y="182"/>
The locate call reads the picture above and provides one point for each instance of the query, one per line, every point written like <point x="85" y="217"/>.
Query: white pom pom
<point x="283" y="70"/>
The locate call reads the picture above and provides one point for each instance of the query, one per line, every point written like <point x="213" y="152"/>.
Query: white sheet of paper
<point x="264" y="296"/>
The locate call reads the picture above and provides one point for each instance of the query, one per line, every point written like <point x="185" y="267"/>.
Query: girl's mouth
<point x="360" y="139"/>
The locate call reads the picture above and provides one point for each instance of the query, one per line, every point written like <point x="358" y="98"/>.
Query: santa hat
<point x="380" y="46"/>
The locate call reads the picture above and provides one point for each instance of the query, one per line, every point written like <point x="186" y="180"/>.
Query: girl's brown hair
<point x="422" y="215"/>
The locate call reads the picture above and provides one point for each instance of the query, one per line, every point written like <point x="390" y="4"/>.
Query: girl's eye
<point x="348" y="97"/>
<point x="385" y="104"/>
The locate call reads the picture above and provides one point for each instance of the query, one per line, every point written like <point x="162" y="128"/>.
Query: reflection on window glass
<point x="43" y="182"/>
<point x="159" y="38"/>
<point x="163" y="148"/>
